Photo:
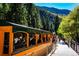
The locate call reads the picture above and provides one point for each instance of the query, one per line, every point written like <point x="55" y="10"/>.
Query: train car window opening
<point x="32" y="40"/>
<point x="47" y="39"/>
<point x="6" y="43"/>
<point x="43" y="39"/>
<point x="39" y="40"/>
<point x="19" y="41"/>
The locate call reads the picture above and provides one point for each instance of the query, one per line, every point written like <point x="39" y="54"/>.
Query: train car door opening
<point x="6" y="43"/>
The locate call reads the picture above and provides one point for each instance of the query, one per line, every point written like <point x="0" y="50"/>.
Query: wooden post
<point x="4" y="29"/>
<point x="11" y="43"/>
<point x="36" y="37"/>
<point x="76" y="46"/>
<point x="1" y="42"/>
<point x="27" y="39"/>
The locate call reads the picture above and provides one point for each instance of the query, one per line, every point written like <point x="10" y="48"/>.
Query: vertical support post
<point x="71" y="43"/>
<point x="76" y="46"/>
<point x="4" y="29"/>
<point x="11" y="43"/>
<point x="27" y="39"/>
<point x="1" y="42"/>
<point x="36" y="37"/>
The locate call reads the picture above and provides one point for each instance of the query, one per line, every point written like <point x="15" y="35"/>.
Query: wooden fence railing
<point x="74" y="45"/>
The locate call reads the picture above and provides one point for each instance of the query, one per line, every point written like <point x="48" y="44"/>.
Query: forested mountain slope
<point x="55" y="10"/>
<point x="29" y="15"/>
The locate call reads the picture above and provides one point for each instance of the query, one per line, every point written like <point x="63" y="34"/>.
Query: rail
<point x="74" y="45"/>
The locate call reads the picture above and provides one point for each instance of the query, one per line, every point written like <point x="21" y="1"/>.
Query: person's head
<point x="20" y="37"/>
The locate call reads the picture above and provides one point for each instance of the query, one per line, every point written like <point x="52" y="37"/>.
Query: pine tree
<point x="4" y="8"/>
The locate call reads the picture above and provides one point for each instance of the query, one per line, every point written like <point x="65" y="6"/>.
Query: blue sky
<point x="69" y="6"/>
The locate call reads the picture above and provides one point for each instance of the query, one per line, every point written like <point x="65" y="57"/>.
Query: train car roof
<point x="19" y="27"/>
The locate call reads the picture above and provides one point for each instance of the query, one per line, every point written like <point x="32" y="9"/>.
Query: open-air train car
<point x="20" y="40"/>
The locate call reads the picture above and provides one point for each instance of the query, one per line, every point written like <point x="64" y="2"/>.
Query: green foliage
<point x="69" y="26"/>
<point x="29" y="15"/>
<point x="4" y="8"/>
<point x="26" y="14"/>
<point x="47" y="19"/>
<point x="56" y="22"/>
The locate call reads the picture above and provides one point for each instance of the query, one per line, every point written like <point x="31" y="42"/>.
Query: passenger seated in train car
<point x="19" y="41"/>
<point x="22" y="41"/>
<point x="32" y="40"/>
<point x="16" y="40"/>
